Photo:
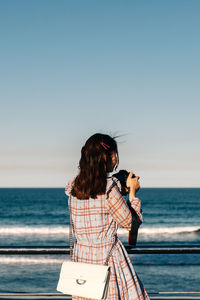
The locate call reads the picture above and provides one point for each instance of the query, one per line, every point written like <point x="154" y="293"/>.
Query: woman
<point x="98" y="208"/>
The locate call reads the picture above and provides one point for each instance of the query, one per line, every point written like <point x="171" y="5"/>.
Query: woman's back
<point x="92" y="222"/>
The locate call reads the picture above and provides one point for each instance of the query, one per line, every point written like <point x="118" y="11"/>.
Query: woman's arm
<point x="136" y="205"/>
<point x="118" y="208"/>
<point x="135" y="202"/>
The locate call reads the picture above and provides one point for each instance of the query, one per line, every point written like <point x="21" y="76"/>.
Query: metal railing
<point x="48" y="250"/>
<point x="57" y="296"/>
<point x="36" y="250"/>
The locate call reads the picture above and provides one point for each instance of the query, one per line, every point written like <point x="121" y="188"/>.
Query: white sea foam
<point x="151" y="231"/>
<point x="169" y="230"/>
<point x="34" y="230"/>
<point x="63" y="230"/>
<point x="29" y="260"/>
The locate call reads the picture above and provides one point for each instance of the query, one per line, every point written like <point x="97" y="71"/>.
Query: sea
<point x="39" y="217"/>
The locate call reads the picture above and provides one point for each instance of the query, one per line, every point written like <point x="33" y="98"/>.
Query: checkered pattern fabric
<point x="95" y="223"/>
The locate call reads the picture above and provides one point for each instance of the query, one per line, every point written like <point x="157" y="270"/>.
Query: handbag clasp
<point x="80" y="281"/>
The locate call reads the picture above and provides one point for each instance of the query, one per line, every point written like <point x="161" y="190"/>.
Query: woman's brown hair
<point x="95" y="163"/>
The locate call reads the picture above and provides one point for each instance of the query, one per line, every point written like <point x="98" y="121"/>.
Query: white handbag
<point x="84" y="279"/>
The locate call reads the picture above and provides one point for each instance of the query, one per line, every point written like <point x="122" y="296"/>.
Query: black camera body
<point x="122" y="176"/>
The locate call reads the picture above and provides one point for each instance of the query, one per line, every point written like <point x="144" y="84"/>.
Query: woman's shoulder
<point x="111" y="183"/>
<point x="68" y="186"/>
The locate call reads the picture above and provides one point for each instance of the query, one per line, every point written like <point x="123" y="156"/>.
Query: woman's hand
<point x="133" y="184"/>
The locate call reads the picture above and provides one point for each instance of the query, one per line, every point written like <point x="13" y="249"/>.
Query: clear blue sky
<point x="72" y="68"/>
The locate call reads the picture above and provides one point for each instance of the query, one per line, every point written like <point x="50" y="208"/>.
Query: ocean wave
<point x="29" y="260"/>
<point x="63" y="230"/>
<point x="169" y="230"/>
<point x="152" y="231"/>
<point x="34" y="230"/>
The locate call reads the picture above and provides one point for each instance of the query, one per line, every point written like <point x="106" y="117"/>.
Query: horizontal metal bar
<point x="143" y="246"/>
<point x="153" y="296"/>
<point x="64" y="250"/>
<point x="60" y="294"/>
<point x="175" y="297"/>
<point x="173" y="293"/>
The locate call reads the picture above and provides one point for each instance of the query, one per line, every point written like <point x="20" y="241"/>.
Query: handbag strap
<point x="111" y="249"/>
<point x="70" y="229"/>
<point x="71" y="237"/>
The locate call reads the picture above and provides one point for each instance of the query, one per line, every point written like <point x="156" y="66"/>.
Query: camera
<point x="122" y="176"/>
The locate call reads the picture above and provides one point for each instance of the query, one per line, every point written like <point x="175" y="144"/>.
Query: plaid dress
<point x="95" y="224"/>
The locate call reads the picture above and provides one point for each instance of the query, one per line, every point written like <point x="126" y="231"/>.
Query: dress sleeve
<point x="117" y="207"/>
<point x="136" y="205"/>
<point x="68" y="188"/>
